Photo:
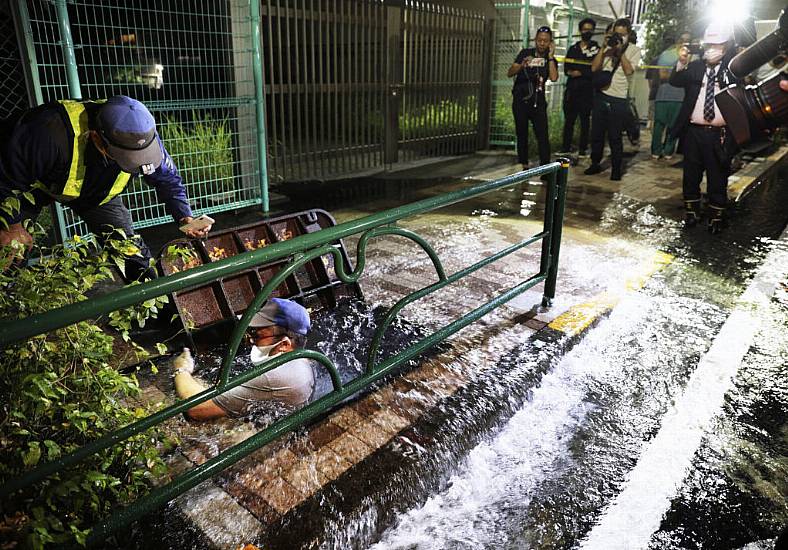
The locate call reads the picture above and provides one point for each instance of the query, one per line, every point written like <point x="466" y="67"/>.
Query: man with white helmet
<point x="708" y="145"/>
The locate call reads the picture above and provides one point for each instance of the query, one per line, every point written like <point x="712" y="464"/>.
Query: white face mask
<point x="260" y="354"/>
<point x="713" y="54"/>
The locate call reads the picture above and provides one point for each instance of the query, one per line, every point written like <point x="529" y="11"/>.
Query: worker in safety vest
<point x="83" y="154"/>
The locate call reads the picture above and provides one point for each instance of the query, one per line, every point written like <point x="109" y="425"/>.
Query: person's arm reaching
<point x="171" y="191"/>
<point x="520" y="63"/>
<point x="186" y="386"/>
<point x="680" y="76"/>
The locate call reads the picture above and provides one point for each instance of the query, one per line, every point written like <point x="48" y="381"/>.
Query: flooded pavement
<point x="517" y="440"/>
<point x="544" y="478"/>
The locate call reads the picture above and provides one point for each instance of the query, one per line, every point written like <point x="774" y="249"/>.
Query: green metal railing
<point x="302" y="249"/>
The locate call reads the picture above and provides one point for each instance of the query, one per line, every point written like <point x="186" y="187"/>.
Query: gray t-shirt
<point x="291" y="384"/>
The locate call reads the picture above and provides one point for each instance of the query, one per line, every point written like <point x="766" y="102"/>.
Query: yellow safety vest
<point x="72" y="189"/>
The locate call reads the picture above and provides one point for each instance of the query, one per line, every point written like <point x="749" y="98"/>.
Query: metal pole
<point x="259" y="100"/>
<point x="67" y="43"/>
<point x="525" y="21"/>
<point x="555" y="234"/>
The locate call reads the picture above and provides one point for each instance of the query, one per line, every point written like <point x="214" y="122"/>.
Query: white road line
<point x="635" y="514"/>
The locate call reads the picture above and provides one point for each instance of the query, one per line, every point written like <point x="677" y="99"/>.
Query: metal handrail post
<point x="555" y="236"/>
<point x="259" y="102"/>
<point x="70" y="59"/>
<point x="549" y="222"/>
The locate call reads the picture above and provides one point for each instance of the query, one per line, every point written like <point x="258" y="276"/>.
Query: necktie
<point x="708" y="105"/>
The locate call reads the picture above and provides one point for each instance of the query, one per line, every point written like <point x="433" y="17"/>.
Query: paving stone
<point x="223" y="520"/>
<point x="389" y="421"/>
<point x="350" y="448"/>
<point x="371" y="433"/>
<point x="280" y="495"/>
<point x="305" y="477"/>
<point x="346" y="418"/>
<point x="324" y="432"/>
<point x="330" y="464"/>
<point x="252" y="501"/>
<point x="366" y="406"/>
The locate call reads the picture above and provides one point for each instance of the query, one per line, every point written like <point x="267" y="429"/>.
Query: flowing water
<point x="543" y="473"/>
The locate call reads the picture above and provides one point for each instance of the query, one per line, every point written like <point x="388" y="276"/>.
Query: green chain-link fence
<point x="13" y="94"/>
<point x="190" y="63"/>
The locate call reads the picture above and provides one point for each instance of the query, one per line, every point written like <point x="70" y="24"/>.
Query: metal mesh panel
<point x="324" y="70"/>
<point x="190" y="64"/>
<point x="509" y="38"/>
<point x="13" y="94"/>
<point x="442" y="69"/>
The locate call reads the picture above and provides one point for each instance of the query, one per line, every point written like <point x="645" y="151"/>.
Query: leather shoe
<point x="593" y="169"/>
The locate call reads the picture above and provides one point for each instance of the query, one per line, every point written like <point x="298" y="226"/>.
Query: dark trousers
<point x="577" y="108"/>
<point x="102" y="221"/>
<point x="525" y="112"/>
<point x="703" y="152"/>
<point x="608" y="117"/>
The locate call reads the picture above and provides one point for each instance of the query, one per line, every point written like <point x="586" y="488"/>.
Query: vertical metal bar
<point x="274" y="87"/>
<point x="289" y="85"/>
<point x="555" y="234"/>
<point x="549" y="221"/>
<point x="30" y="62"/>
<point x="67" y="44"/>
<point x="485" y="88"/>
<point x="322" y="65"/>
<point x="314" y="85"/>
<point x="296" y="94"/>
<point x="343" y="88"/>
<point x="525" y="21"/>
<point x="259" y="102"/>
<point x="393" y="79"/>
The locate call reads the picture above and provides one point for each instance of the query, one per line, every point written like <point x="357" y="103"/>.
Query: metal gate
<point x="358" y="85"/>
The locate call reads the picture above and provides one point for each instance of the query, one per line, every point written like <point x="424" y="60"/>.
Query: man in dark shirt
<point x="579" y="93"/>
<point x="83" y="154"/>
<point x="532" y="68"/>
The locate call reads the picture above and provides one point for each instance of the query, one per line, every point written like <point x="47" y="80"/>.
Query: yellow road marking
<point x="579" y="317"/>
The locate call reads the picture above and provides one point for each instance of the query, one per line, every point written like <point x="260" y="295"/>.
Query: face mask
<point x="586" y="35"/>
<point x="713" y="54"/>
<point x="259" y="354"/>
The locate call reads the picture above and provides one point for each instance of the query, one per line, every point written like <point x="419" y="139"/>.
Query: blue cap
<point x="283" y="313"/>
<point x="130" y="132"/>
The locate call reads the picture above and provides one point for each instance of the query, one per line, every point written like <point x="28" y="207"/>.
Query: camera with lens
<point x="614" y="40"/>
<point x="753" y="112"/>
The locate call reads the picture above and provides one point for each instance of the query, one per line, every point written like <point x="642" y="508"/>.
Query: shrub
<point x="60" y="391"/>
<point x="202" y="150"/>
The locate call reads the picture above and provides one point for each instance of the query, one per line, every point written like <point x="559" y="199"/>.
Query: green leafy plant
<point x="665" y="18"/>
<point x="202" y="150"/>
<point x="60" y="390"/>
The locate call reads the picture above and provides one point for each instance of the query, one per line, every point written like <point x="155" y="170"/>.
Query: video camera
<point x="752" y="112"/>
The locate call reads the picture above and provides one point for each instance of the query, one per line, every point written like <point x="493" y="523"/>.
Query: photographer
<point x="708" y="145"/>
<point x="613" y="67"/>
<point x="532" y="68"/>
<point x="579" y="94"/>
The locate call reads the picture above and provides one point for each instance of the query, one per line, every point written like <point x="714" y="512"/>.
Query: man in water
<point x="282" y="326"/>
